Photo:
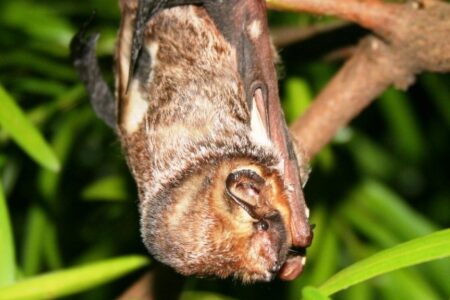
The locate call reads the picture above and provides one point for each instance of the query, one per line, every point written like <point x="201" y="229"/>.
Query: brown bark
<point x="364" y="76"/>
<point x="158" y="283"/>
<point x="284" y="36"/>
<point x="141" y="289"/>
<point x="368" y="13"/>
<point x="410" y="38"/>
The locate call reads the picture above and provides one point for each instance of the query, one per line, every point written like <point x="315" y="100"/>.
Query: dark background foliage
<point x="383" y="180"/>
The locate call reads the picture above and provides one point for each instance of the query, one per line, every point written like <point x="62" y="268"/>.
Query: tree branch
<point x="411" y="38"/>
<point x="371" y="14"/>
<point x="365" y="76"/>
<point x="285" y="36"/>
<point x="159" y="283"/>
<point x="141" y="289"/>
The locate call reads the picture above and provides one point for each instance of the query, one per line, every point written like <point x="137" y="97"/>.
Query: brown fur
<point x="195" y="132"/>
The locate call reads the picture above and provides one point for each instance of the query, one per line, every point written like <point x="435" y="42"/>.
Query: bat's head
<point x="259" y="210"/>
<point x="227" y="221"/>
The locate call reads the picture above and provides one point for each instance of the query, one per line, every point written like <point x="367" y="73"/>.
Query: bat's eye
<point x="262" y="225"/>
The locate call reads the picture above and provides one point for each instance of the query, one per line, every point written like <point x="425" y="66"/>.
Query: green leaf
<point x="298" y="97"/>
<point x="37" y="63"/>
<point x="14" y="121"/>
<point x="51" y="251"/>
<point x="371" y="158"/>
<point x="70" y="281"/>
<point x="385" y="218"/>
<point x="63" y="102"/>
<point x="365" y="223"/>
<point x="111" y="188"/>
<point x="352" y="243"/>
<point x="197" y="295"/>
<point x="439" y="92"/>
<point x="62" y="143"/>
<point x="10" y="171"/>
<point x="402" y="124"/>
<point x="325" y="159"/>
<point x="391" y="210"/>
<point x="33" y="240"/>
<point x="408" y="284"/>
<point x="362" y="291"/>
<point x="25" y="15"/>
<point x="312" y="293"/>
<point x="7" y="258"/>
<point x="423" y="249"/>
<point x="327" y="264"/>
<point x="44" y="87"/>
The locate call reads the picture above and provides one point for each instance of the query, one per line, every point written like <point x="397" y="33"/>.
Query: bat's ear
<point x="259" y="121"/>
<point x="244" y="187"/>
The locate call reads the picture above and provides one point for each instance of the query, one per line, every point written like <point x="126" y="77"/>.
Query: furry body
<point x="196" y="131"/>
<point x="199" y="119"/>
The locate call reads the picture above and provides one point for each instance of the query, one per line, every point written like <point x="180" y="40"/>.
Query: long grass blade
<point x="7" y="258"/>
<point x="71" y="281"/>
<point x="420" y="250"/>
<point x="312" y="293"/>
<point x="14" y="121"/>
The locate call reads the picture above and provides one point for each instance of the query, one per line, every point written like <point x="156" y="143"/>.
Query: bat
<point x="198" y="115"/>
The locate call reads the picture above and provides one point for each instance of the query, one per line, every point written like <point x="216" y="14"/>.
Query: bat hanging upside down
<point x="199" y="118"/>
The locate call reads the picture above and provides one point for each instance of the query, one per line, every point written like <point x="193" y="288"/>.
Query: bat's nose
<point x="275" y="268"/>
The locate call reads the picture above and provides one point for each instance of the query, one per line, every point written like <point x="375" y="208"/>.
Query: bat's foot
<point x="80" y="45"/>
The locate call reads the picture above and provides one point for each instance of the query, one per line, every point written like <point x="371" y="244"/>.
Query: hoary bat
<point x="199" y="118"/>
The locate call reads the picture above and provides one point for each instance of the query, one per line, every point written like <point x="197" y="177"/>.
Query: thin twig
<point x="372" y="14"/>
<point x="284" y="36"/>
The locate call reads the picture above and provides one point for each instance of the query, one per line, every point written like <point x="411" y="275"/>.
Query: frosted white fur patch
<point x="137" y="105"/>
<point x="280" y="166"/>
<point x="258" y="131"/>
<point x="254" y="29"/>
<point x="152" y="48"/>
<point x="260" y="136"/>
<point x="136" y="108"/>
<point x="181" y="207"/>
<point x="303" y="261"/>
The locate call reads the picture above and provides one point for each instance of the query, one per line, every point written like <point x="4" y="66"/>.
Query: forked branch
<point x="410" y="38"/>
